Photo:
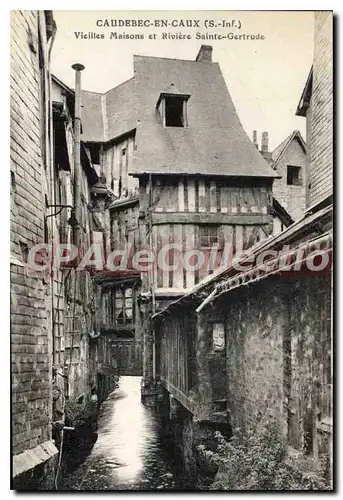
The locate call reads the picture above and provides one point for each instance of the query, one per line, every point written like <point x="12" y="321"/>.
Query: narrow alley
<point x="130" y="452"/>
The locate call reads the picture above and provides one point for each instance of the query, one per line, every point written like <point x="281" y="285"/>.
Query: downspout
<point x="152" y="284"/>
<point x="51" y="30"/>
<point x="77" y="153"/>
<point x="53" y="35"/>
<point x="208" y="299"/>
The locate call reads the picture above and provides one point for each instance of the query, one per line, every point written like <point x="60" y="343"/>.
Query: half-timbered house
<point x="189" y="184"/>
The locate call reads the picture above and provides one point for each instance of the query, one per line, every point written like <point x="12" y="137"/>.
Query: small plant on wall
<point x="260" y="461"/>
<point x="75" y="410"/>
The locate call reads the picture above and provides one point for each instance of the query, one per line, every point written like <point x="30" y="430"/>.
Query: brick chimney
<point x="254" y="138"/>
<point x="204" y="54"/>
<point x="264" y="142"/>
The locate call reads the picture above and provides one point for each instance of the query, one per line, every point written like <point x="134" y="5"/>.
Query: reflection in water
<point x="129" y="452"/>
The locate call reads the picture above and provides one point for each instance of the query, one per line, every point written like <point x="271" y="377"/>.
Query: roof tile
<point x="214" y="143"/>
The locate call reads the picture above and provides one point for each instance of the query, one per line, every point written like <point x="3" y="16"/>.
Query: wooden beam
<point x="191" y="195"/>
<point x="129" y="328"/>
<point x="217" y="218"/>
<point x="124" y="203"/>
<point x="115" y="278"/>
<point x="187" y="402"/>
<point x="181" y="195"/>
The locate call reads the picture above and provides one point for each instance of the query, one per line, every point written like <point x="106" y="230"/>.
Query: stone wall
<point x="27" y="168"/>
<point x="278" y="358"/>
<point x="183" y="435"/>
<point x="321" y="136"/>
<point x="275" y="367"/>
<point x="292" y="198"/>
<point x="31" y="374"/>
<point x="254" y="338"/>
<point x="30" y="300"/>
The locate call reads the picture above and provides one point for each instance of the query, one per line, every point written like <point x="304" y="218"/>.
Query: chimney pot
<point x="204" y="54"/>
<point x="254" y="138"/>
<point x="264" y="143"/>
<point x="78" y="67"/>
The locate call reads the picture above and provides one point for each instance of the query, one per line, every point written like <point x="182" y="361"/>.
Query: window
<point x="123" y="306"/>
<point x="94" y="150"/>
<point x="218" y="337"/>
<point x="24" y="251"/>
<point x="208" y="236"/>
<point x="98" y="238"/>
<point x="175" y="112"/>
<point x="172" y="106"/>
<point x="123" y="172"/>
<point x="293" y="175"/>
<point x="13" y="183"/>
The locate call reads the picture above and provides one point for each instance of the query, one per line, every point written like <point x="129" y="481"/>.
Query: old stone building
<point x="259" y="338"/>
<point x="317" y="106"/>
<point x="31" y="317"/>
<point x="288" y="159"/>
<point x="185" y="177"/>
<point x="56" y="357"/>
<point x="74" y="321"/>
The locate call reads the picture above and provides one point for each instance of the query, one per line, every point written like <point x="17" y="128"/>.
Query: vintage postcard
<point x="171" y="250"/>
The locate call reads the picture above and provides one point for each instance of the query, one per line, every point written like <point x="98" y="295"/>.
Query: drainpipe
<point x="51" y="175"/>
<point x="77" y="152"/>
<point x="152" y="284"/>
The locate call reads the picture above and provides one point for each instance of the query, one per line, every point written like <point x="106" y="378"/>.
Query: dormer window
<point x="174" y="112"/>
<point x="94" y="150"/>
<point x="172" y="106"/>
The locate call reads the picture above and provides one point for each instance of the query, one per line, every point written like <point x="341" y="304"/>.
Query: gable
<point x="110" y="115"/>
<point x="120" y="108"/>
<point x="92" y="117"/>
<point x="293" y="155"/>
<point x="294" y="138"/>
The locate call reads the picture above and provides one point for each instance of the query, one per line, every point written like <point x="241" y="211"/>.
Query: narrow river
<point x="130" y="452"/>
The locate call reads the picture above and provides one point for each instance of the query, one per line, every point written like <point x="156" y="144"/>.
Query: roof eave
<point x="63" y="85"/>
<point x="305" y="96"/>
<point x="292" y="233"/>
<point x="293" y="135"/>
<point x="282" y="213"/>
<point x="272" y="176"/>
<point x="163" y="95"/>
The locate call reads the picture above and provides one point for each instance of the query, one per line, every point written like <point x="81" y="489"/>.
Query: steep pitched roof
<point x="107" y="116"/>
<point x="281" y="148"/>
<point x="61" y="84"/>
<point x="121" y="109"/>
<point x="214" y="143"/>
<point x="92" y="117"/>
<point x="282" y="213"/>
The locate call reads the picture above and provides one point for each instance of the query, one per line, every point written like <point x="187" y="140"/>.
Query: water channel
<point x="131" y="451"/>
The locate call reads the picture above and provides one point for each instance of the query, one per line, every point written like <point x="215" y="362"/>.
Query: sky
<point x="264" y="77"/>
